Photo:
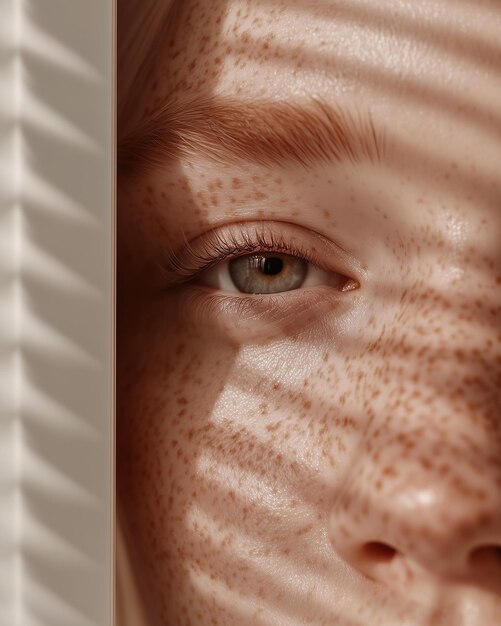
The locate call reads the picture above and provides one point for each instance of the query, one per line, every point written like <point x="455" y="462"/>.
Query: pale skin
<point x="330" y="457"/>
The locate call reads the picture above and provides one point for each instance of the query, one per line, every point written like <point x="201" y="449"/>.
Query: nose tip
<point x="410" y="539"/>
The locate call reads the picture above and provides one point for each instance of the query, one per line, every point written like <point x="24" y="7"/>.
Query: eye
<point x="262" y="258"/>
<point x="268" y="273"/>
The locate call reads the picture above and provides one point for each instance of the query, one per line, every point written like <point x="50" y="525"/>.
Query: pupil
<point x="272" y="265"/>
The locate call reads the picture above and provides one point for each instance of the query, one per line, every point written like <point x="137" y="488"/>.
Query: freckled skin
<point x="340" y="465"/>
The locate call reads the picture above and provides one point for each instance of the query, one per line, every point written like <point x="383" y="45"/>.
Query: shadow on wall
<point x="65" y="325"/>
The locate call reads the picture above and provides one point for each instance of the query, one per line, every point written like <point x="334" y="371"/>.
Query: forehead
<point x="426" y="54"/>
<point x="429" y="71"/>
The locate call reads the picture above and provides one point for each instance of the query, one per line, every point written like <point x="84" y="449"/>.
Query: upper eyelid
<point x="232" y="250"/>
<point x="237" y="239"/>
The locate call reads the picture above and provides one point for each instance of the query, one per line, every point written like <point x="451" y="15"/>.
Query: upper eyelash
<point x="223" y="246"/>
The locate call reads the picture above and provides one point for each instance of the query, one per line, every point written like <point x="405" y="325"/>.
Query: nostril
<point x="376" y="551"/>
<point x="488" y="556"/>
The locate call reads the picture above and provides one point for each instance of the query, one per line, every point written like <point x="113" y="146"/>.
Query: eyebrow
<point x="264" y="133"/>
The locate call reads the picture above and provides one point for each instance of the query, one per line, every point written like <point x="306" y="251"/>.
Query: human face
<point x="330" y="455"/>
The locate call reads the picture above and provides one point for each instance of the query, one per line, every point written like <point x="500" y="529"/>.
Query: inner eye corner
<point x="350" y="284"/>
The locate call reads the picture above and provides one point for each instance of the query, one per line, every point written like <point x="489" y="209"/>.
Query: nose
<point x="414" y="511"/>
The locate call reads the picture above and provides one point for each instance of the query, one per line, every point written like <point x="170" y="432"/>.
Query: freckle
<point x="236" y="183"/>
<point x="259" y="195"/>
<point x="182" y="401"/>
<point x="425" y="463"/>
<point x="273" y="427"/>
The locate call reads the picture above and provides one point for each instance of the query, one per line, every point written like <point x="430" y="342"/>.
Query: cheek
<point x="229" y="457"/>
<point x="167" y="389"/>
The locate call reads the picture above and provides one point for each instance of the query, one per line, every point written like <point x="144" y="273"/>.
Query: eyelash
<point x="225" y="246"/>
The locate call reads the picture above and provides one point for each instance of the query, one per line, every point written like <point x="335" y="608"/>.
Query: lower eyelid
<point x="243" y="318"/>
